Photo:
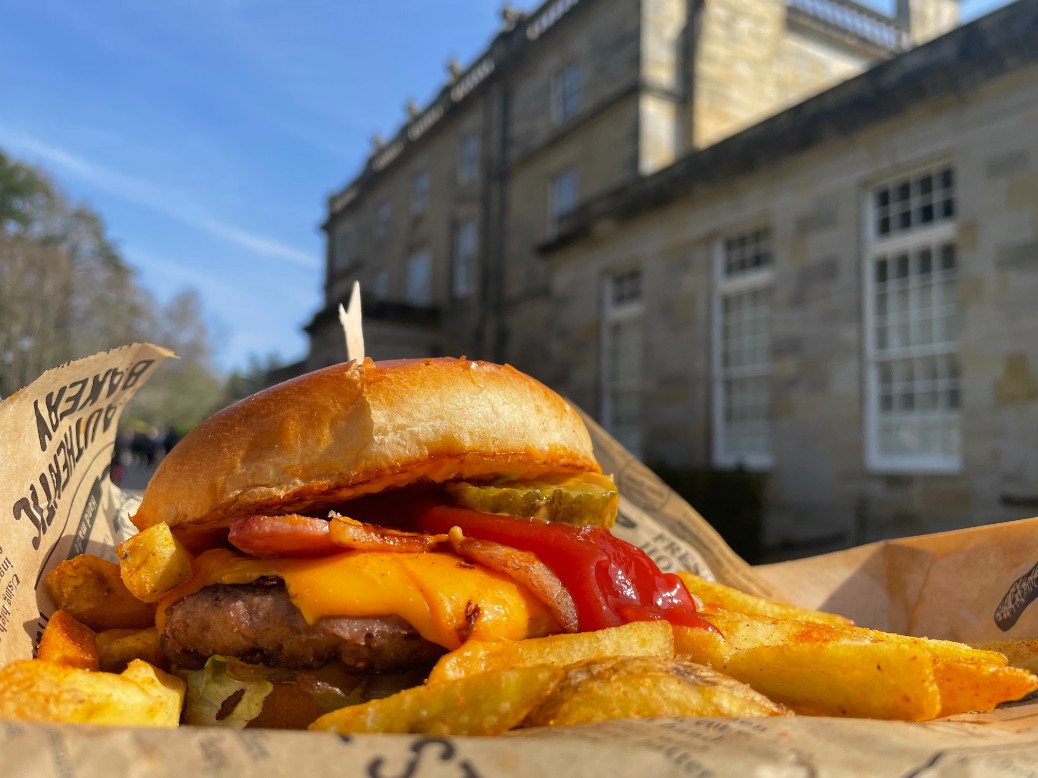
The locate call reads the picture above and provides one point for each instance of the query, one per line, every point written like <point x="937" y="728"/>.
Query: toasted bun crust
<point x="358" y="428"/>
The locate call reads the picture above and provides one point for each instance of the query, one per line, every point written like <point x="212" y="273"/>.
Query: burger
<point x="361" y="520"/>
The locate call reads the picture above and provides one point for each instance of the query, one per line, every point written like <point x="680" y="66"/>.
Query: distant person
<point x="144" y="447"/>
<point x="170" y="439"/>
<point x="117" y="471"/>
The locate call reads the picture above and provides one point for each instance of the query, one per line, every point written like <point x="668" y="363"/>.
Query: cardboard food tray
<point x="56" y="443"/>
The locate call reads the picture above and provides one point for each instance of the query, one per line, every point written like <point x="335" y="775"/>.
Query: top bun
<point x="359" y="428"/>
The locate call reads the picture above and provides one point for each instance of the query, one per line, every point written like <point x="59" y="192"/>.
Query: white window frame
<point x="725" y="286"/>
<point x="382" y="215"/>
<point x="468" y="158"/>
<point x="463" y="270"/>
<point x="932" y="237"/>
<point x="613" y="313"/>
<point x="556" y="208"/>
<point x="420" y="192"/>
<point x="419" y="270"/>
<point x="565" y="92"/>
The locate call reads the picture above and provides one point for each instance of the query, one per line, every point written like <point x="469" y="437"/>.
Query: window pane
<point x="747" y="253"/>
<point x="622" y="352"/>
<point x="419" y="279"/>
<point x="419" y="192"/>
<point x="745" y="388"/>
<point x="914" y="203"/>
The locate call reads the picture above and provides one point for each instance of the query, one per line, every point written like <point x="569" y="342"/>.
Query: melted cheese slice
<point x="446" y="599"/>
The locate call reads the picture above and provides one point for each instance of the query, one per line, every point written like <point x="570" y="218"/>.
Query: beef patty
<point x="258" y="623"/>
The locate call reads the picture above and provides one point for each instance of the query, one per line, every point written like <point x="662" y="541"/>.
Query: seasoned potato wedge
<point x="91" y="590"/>
<point x="596" y="690"/>
<point x="483" y="704"/>
<point x="67" y="642"/>
<point x="842" y="670"/>
<point x="153" y="562"/>
<point x="640" y="638"/>
<point x="863" y="680"/>
<point x="1022" y="652"/>
<point x="116" y="648"/>
<point x="978" y="685"/>
<point x="646" y="687"/>
<point x="142" y="696"/>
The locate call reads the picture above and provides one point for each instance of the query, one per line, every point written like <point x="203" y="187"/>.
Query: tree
<point x="186" y="389"/>
<point x="256" y="376"/>
<point x="36" y="277"/>
<point x="65" y="293"/>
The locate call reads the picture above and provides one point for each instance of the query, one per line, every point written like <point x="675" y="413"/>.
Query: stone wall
<point x="641" y="63"/>
<point x="750" y="62"/>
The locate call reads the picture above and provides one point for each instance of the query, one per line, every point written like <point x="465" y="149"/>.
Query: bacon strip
<point x="525" y="569"/>
<point x="359" y="536"/>
<point x="291" y="535"/>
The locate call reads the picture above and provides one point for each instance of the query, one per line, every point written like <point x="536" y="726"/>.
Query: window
<point x="911" y="325"/>
<point x="419" y="279"/>
<point x="341" y="250"/>
<point x="420" y="192"/>
<point x="382" y="220"/>
<point x="622" y="350"/>
<point x="463" y="280"/>
<point x="563" y="193"/>
<point x="913" y="203"/>
<point x="468" y="158"/>
<point x="742" y="350"/>
<point x="565" y="93"/>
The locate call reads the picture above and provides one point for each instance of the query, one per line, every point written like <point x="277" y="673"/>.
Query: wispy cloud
<point x="161" y="200"/>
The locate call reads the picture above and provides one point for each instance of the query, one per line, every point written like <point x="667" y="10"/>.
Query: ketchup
<point x="612" y="582"/>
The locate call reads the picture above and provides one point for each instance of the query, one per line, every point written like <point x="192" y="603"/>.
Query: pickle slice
<point x="581" y="499"/>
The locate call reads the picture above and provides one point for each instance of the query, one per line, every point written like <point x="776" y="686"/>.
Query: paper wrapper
<point x="57" y="439"/>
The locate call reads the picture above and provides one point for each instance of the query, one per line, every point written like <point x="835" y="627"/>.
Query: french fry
<point x="116" y="648"/>
<point x="646" y="687"/>
<point x="91" y="590"/>
<point x="640" y="638"/>
<point x="726" y="598"/>
<point x="67" y="642"/>
<point x="142" y="696"/>
<point x="484" y="704"/>
<point x="153" y="562"/>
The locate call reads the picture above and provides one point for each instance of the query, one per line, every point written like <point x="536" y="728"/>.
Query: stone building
<point x="576" y="99"/>
<point x="840" y="296"/>
<point x="641" y="203"/>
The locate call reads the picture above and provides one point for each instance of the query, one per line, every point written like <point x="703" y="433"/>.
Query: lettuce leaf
<point x="216" y="697"/>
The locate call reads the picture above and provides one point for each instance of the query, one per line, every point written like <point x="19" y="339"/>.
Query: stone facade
<point x="966" y="103"/>
<point x="654" y="79"/>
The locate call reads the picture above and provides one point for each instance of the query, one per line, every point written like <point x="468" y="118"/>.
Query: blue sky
<point x="208" y="133"/>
